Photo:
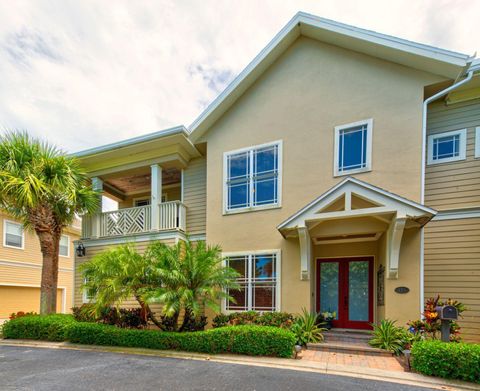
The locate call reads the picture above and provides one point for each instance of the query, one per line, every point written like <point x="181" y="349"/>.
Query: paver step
<point x="347" y="336"/>
<point x="349" y="347"/>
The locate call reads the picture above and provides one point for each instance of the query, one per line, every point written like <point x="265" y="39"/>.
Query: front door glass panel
<point x="358" y="291"/>
<point x="329" y="287"/>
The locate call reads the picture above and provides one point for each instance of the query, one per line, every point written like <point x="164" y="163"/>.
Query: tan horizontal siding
<point x="90" y="253"/>
<point x="195" y="195"/>
<point x="452" y="267"/>
<point x="457" y="184"/>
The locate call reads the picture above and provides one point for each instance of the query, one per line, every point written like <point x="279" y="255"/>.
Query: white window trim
<point x="368" y="160"/>
<point x="276" y="205"/>
<point x="278" y="266"/>
<point x="84" y="295"/>
<point x="5" y="221"/>
<point x="462" y="149"/>
<point x="477" y="142"/>
<point x="68" y="248"/>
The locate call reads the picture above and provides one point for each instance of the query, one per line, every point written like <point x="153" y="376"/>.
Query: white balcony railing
<point x="130" y="221"/>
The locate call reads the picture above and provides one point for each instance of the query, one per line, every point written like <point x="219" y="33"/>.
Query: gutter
<point x="422" y="190"/>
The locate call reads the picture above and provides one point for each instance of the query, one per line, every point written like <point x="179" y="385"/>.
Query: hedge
<point x="448" y="360"/>
<point x="47" y="328"/>
<point x="248" y="340"/>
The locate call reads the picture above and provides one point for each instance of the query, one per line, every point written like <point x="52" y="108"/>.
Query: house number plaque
<point x="402" y="289"/>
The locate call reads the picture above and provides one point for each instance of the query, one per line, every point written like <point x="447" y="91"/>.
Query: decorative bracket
<point x="396" y="233"/>
<point x="305" y="251"/>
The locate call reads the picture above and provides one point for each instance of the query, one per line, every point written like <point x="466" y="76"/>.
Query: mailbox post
<point x="446" y="313"/>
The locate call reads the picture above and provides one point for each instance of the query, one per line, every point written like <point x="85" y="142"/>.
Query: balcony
<point x="136" y="220"/>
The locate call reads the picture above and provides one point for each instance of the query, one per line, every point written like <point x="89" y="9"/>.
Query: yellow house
<point x="21" y="268"/>
<point x="337" y="172"/>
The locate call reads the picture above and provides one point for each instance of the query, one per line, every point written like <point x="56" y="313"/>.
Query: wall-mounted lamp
<point x="80" y="250"/>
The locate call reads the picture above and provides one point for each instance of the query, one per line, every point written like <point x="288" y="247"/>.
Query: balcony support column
<point x="156" y="194"/>
<point x="97" y="185"/>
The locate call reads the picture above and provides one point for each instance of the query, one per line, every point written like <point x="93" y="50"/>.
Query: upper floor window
<point x="64" y="248"/>
<point x="258" y="280"/>
<point x="13" y="234"/>
<point x="447" y="147"/>
<point x="252" y="177"/>
<point x="353" y="148"/>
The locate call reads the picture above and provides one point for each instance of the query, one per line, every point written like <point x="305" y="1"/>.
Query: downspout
<point x="422" y="190"/>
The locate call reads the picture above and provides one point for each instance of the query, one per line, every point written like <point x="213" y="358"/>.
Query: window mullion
<point x="251" y="181"/>
<point x="249" y="283"/>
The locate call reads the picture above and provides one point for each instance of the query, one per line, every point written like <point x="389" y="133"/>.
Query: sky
<point x="85" y="73"/>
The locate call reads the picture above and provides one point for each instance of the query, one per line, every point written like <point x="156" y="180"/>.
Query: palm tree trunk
<point x="49" y="243"/>
<point x="145" y="307"/>
<point x="188" y="315"/>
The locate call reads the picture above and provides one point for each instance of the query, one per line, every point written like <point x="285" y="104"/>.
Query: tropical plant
<point x="119" y="274"/>
<point x="192" y="278"/>
<point x="44" y="189"/>
<point x="306" y="329"/>
<point x="388" y="336"/>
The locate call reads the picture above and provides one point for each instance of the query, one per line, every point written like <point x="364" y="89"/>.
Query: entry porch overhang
<point x="353" y="211"/>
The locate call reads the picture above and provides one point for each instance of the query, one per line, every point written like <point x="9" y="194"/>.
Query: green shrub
<point x="306" y="329"/>
<point x="388" y="336"/>
<point x="249" y="340"/>
<point x="47" y="328"/>
<point x="448" y="360"/>
<point x="275" y="319"/>
<point x="84" y="313"/>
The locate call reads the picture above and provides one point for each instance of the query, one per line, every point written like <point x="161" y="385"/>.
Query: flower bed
<point x="248" y="340"/>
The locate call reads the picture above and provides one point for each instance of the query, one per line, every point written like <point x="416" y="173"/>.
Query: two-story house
<point x="21" y="268"/>
<point x="318" y="171"/>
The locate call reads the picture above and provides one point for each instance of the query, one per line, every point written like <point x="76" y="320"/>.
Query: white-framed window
<point x="477" y="141"/>
<point x="253" y="177"/>
<point x="259" y="281"/>
<point x="88" y="295"/>
<point x="447" y="147"/>
<point x="13" y="235"/>
<point x="64" y="247"/>
<point x="147" y="201"/>
<point x="353" y="148"/>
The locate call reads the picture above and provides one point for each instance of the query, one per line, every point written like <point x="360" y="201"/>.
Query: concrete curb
<point x="407" y="378"/>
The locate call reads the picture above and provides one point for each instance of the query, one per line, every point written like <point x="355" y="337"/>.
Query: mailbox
<point x="447" y="312"/>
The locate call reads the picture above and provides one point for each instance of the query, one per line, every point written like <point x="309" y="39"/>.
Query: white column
<point x="305" y="251"/>
<point x="97" y="185"/>
<point x="156" y="194"/>
<point x="181" y="184"/>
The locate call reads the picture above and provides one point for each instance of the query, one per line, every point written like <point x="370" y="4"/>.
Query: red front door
<point x="345" y="286"/>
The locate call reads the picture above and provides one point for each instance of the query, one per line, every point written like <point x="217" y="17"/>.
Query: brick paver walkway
<point x="359" y="360"/>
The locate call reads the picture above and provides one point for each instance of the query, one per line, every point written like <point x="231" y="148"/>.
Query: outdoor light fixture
<point x="80" y="250"/>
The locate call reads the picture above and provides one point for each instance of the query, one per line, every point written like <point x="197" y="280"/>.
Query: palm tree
<point x="119" y="274"/>
<point x="192" y="278"/>
<point x="44" y="189"/>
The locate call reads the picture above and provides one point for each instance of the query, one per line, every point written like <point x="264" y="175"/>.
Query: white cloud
<point x="86" y="73"/>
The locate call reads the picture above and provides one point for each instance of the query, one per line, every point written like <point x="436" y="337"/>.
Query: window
<point x="259" y="282"/>
<point x="146" y="201"/>
<point x="253" y="177"/>
<point x="88" y="294"/>
<point x="447" y="147"/>
<point x="477" y="141"/>
<point x="64" y="248"/>
<point x="12" y="234"/>
<point x="353" y="148"/>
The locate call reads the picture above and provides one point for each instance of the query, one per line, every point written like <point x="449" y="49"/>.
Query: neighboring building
<point x="307" y="170"/>
<point x="21" y="268"/>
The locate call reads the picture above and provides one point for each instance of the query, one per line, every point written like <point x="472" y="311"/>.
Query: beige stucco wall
<point x="312" y="88"/>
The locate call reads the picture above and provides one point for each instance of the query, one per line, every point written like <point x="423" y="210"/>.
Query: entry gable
<point x="355" y="198"/>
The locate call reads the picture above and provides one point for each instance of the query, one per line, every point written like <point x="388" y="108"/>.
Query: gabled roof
<point x="419" y="56"/>
<point x="386" y="201"/>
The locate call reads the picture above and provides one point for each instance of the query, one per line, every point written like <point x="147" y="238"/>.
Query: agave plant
<point x="306" y="328"/>
<point x="388" y="336"/>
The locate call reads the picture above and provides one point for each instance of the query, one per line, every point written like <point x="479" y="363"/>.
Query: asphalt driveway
<point x="23" y="368"/>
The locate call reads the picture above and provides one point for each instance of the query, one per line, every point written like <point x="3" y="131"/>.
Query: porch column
<point x="156" y="194"/>
<point x="305" y="251"/>
<point x="97" y="185"/>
